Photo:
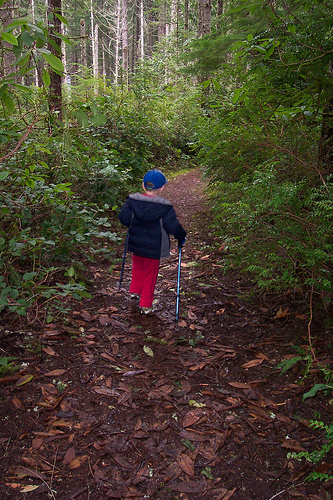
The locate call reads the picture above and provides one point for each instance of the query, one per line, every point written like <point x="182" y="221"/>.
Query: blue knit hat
<point x="154" y="179"/>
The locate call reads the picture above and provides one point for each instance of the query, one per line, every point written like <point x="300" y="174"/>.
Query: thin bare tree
<point x="124" y="40"/>
<point x="55" y="92"/>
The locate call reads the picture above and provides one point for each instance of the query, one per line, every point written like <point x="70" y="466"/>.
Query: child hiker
<point x="150" y="219"/>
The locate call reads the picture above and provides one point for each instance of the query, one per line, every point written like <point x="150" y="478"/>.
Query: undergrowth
<point x="60" y="191"/>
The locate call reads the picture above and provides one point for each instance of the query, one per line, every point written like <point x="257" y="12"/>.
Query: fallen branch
<point x="23" y="138"/>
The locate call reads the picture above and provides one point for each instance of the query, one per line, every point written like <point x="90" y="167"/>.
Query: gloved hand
<point x="181" y="243"/>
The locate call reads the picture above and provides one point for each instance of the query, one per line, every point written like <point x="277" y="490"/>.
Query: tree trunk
<point x="186" y="15"/>
<point x="103" y="63"/>
<point x="55" y="92"/>
<point x="124" y="43"/>
<point x="95" y="58"/>
<point x="142" y="20"/>
<point x="7" y="57"/>
<point x="117" y="43"/>
<point x="67" y="77"/>
<point x="151" y="29"/>
<point x="33" y="22"/>
<point x="92" y="35"/>
<point x="173" y="17"/>
<point x="326" y="139"/>
<point x="162" y="28"/>
<point x="220" y="10"/>
<point x="135" y="36"/>
<point x="204" y="17"/>
<point x="83" y="48"/>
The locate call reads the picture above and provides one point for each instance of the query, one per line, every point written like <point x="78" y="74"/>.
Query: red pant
<point x="144" y="277"/>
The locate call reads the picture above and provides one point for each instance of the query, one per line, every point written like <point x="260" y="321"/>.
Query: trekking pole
<point x="123" y="263"/>
<point x="178" y="284"/>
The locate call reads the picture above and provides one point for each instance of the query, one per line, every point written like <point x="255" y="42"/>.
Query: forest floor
<point x="114" y="405"/>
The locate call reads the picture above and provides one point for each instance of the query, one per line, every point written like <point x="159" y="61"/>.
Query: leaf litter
<point x="202" y="412"/>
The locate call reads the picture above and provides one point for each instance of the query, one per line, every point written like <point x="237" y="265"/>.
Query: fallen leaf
<point x="69" y="456"/>
<point x="62" y="423"/>
<point x="14" y="485"/>
<point x="198" y="367"/>
<point x="104" y="319"/>
<point x="142" y="475"/>
<point x="173" y="471"/>
<point x="105" y="391"/>
<point x="260" y="355"/>
<point x="291" y="444"/>
<point x="133" y="373"/>
<point x="194" y="403"/>
<point x="207" y="453"/>
<point x="37" y="443"/>
<point x="148" y="351"/>
<point x="87" y="316"/>
<point x="25" y="471"/>
<point x="18" y="403"/>
<point x="259" y="413"/>
<point x="191" y="315"/>
<point x="51" y="352"/>
<point x="283" y="418"/>
<point x="24" y="380"/>
<point x="182" y="323"/>
<point x="220" y="311"/>
<point x="30" y="461"/>
<point x="49" y="388"/>
<point x="29" y="487"/>
<point x="55" y="373"/>
<point x="186" y="386"/>
<point x="194" y="327"/>
<point x="240" y="385"/>
<point x="121" y="461"/>
<point x="282" y="313"/>
<point x="186" y="463"/>
<point x="193" y="436"/>
<point x="252" y="363"/>
<point x="107" y="356"/>
<point x="77" y="462"/>
<point x="161" y="391"/>
<point x="192" y="417"/>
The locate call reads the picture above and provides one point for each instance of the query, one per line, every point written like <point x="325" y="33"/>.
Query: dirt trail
<point x="127" y="406"/>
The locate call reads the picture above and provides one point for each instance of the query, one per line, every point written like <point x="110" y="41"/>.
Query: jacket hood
<point x="149" y="208"/>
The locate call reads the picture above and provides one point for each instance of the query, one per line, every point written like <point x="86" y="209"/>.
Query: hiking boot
<point x="147" y="310"/>
<point x="134" y="301"/>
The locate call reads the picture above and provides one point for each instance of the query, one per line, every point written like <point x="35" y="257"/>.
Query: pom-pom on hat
<point x="154" y="179"/>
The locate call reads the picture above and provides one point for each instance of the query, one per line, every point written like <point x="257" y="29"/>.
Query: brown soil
<point x="128" y="406"/>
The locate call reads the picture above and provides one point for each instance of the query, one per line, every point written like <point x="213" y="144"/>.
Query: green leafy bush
<point x="60" y="191"/>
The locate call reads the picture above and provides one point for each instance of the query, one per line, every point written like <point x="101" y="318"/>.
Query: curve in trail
<point x="228" y="417"/>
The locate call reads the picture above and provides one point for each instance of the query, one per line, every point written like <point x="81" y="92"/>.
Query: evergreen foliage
<point x="262" y="145"/>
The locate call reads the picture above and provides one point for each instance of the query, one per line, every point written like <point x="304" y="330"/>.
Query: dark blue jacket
<point x="150" y="220"/>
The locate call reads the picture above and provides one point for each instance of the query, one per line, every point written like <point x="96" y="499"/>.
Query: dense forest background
<point x="93" y="94"/>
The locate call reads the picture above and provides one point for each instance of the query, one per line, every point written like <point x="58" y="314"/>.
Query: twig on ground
<point x="283" y="491"/>
<point x="38" y="476"/>
<point x="53" y="469"/>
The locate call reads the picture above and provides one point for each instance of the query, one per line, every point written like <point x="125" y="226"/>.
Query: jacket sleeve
<point x="125" y="215"/>
<point x="172" y="225"/>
